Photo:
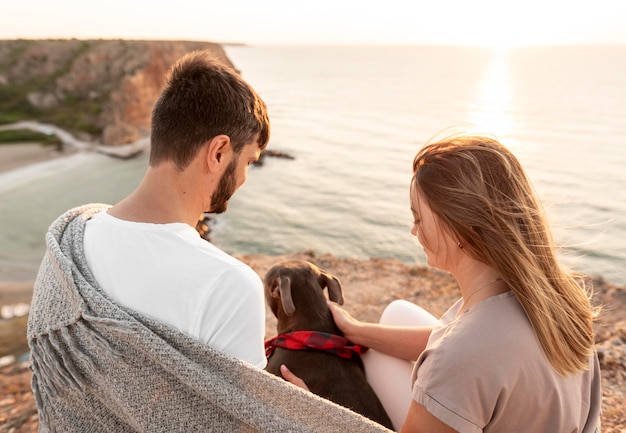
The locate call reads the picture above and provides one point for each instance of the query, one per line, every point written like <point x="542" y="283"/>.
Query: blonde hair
<point x="481" y="193"/>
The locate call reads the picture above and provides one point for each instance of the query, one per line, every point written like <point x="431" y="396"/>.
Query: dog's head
<point x="298" y="283"/>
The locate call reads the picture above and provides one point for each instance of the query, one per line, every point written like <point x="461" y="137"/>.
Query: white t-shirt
<point x="486" y="371"/>
<point x="168" y="272"/>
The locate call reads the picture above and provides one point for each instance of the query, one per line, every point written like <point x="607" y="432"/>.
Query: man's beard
<point x="225" y="189"/>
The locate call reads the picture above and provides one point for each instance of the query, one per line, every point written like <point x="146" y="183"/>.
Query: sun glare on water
<point x="491" y="109"/>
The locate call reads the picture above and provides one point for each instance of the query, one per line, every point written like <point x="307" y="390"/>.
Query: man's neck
<point x="165" y="195"/>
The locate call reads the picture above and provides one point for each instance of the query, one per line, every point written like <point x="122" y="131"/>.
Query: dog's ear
<point x="283" y="284"/>
<point x="333" y="284"/>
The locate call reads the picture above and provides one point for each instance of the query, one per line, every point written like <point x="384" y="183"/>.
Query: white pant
<point x="391" y="377"/>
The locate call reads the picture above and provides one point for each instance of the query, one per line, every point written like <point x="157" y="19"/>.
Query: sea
<point x="353" y="117"/>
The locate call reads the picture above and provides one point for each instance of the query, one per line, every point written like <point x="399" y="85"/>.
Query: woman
<point x="516" y="352"/>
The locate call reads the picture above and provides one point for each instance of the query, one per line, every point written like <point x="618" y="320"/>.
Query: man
<point x="208" y="126"/>
<point x="127" y="297"/>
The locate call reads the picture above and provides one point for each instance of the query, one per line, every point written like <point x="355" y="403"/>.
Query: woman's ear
<point x="219" y="150"/>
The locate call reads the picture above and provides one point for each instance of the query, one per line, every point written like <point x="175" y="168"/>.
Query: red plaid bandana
<point x="313" y="340"/>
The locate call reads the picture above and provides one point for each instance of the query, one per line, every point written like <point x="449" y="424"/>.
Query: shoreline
<point x="17" y="157"/>
<point x="20" y="161"/>
<point x="70" y="144"/>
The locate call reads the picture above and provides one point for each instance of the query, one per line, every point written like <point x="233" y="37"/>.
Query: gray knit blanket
<point x="100" y="367"/>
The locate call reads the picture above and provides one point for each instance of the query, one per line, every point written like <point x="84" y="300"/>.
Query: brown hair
<point x="481" y="193"/>
<point x="204" y="98"/>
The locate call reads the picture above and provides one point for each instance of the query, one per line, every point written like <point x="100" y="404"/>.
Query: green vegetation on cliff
<point x="28" y="136"/>
<point x="28" y="86"/>
<point x="101" y="89"/>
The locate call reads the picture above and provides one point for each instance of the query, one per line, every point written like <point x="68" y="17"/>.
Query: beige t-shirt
<point x="486" y="371"/>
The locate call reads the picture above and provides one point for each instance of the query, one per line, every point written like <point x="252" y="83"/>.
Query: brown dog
<point x="294" y="291"/>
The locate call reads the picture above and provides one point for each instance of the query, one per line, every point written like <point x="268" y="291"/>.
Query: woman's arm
<point x="420" y="420"/>
<point x="400" y="341"/>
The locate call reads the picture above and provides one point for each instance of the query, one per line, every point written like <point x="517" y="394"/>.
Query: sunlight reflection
<point x="491" y="110"/>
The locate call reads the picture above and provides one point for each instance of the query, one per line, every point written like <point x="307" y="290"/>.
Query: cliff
<point x="100" y="90"/>
<point x="369" y="286"/>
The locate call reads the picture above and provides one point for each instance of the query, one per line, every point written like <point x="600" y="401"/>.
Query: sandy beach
<point x="18" y="155"/>
<point x="369" y="285"/>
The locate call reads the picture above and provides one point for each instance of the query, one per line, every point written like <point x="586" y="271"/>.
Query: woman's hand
<point x="344" y="321"/>
<point x="404" y="342"/>
<point x="292" y="378"/>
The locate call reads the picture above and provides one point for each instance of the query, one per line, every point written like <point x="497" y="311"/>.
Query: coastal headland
<point x="98" y="90"/>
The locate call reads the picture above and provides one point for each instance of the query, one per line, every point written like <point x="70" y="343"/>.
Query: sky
<point x="498" y="23"/>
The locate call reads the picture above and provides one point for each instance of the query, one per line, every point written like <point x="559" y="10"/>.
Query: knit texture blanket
<point x="100" y="367"/>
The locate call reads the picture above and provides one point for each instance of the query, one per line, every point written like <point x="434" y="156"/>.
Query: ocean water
<point x="353" y="117"/>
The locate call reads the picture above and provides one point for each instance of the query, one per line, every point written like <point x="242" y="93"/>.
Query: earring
<point x="460" y="245"/>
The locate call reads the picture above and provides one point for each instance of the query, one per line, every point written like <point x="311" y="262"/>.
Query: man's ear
<point x="218" y="152"/>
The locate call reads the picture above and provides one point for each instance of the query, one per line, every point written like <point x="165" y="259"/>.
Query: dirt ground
<point x="369" y="285"/>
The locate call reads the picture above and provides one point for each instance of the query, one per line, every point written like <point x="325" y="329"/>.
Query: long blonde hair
<point x="480" y="191"/>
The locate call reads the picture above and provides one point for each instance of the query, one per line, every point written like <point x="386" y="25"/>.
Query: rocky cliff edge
<point x="99" y="90"/>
